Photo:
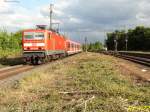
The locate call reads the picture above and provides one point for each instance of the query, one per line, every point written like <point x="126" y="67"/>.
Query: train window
<point x="68" y="45"/>
<point x="28" y="35"/>
<point x="72" y="45"/>
<point x="39" y="36"/>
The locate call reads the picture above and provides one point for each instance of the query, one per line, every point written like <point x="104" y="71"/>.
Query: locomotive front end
<point x="34" y="46"/>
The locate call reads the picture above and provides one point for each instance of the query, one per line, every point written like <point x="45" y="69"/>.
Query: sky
<point x="78" y="18"/>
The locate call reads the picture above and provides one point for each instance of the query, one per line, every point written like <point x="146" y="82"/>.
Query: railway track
<point x="141" y="72"/>
<point x="14" y="70"/>
<point x="143" y="61"/>
<point x="140" y="58"/>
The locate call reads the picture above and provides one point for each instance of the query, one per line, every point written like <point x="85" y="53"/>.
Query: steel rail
<point x="142" y="59"/>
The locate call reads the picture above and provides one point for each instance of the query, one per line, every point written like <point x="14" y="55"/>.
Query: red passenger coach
<point x="73" y="47"/>
<point x="43" y="45"/>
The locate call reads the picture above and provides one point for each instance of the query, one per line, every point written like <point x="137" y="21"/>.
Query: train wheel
<point x="32" y="61"/>
<point x="36" y="61"/>
<point x="53" y="57"/>
<point x="62" y="56"/>
<point x="46" y="59"/>
<point x="49" y="58"/>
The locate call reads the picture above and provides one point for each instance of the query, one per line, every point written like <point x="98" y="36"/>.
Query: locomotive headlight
<point x="27" y="44"/>
<point x="40" y="44"/>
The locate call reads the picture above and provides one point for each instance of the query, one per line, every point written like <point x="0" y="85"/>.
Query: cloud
<point x="143" y="15"/>
<point x="94" y="15"/>
<point x="80" y="18"/>
<point x="16" y="17"/>
<point x="5" y="8"/>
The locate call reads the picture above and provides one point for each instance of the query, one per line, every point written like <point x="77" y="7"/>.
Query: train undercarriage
<point x="40" y="57"/>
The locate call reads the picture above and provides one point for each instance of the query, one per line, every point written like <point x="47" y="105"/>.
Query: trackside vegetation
<point x="93" y="47"/>
<point x="10" y="43"/>
<point x="138" y="39"/>
<point x="87" y="82"/>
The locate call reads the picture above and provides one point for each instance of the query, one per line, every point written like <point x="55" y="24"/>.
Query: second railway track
<point x="143" y="61"/>
<point x="14" y="70"/>
<point x="141" y="58"/>
<point x="141" y="71"/>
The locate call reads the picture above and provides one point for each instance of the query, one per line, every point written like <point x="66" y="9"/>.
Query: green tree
<point x="10" y="43"/>
<point x="138" y="39"/>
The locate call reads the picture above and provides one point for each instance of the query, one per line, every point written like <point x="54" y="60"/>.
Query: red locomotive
<point x="41" y="45"/>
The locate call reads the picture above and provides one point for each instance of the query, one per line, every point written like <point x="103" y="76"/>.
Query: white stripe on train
<point x="34" y="44"/>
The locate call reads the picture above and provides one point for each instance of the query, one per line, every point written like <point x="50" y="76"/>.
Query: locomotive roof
<point x="72" y="41"/>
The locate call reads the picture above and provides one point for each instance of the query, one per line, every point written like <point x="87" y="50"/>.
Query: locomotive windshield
<point x="32" y="35"/>
<point x="39" y="36"/>
<point x="28" y="35"/>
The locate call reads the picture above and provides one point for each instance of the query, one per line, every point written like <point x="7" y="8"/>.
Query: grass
<point x="44" y="90"/>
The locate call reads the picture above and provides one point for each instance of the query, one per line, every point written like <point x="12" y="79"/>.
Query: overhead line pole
<point x="51" y="13"/>
<point x="126" y="42"/>
<point x="116" y="43"/>
<point x="85" y="44"/>
<point x="126" y="39"/>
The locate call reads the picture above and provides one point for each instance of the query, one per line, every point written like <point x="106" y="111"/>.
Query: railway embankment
<point x="84" y="82"/>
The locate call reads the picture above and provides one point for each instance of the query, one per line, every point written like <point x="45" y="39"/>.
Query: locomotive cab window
<point x="32" y="35"/>
<point x="39" y="36"/>
<point x="28" y="35"/>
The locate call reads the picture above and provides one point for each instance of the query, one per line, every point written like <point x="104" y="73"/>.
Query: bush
<point x="10" y="43"/>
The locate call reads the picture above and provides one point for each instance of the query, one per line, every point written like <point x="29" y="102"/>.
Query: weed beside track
<point x="82" y="83"/>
